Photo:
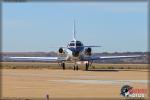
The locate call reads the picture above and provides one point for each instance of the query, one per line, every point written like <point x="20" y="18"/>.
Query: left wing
<point x="110" y="57"/>
<point x="36" y="58"/>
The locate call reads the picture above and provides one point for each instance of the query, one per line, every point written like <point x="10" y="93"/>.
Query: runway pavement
<point x="68" y="83"/>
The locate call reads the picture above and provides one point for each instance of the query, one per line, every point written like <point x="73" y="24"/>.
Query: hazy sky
<point x="41" y="26"/>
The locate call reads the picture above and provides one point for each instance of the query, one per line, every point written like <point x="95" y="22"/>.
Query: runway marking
<point x="104" y="81"/>
<point x="59" y="75"/>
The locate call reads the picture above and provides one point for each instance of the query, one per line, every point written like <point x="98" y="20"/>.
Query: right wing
<point x="36" y="58"/>
<point x="110" y="57"/>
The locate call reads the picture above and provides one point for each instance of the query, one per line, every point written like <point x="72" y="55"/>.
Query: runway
<point x="69" y="83"/>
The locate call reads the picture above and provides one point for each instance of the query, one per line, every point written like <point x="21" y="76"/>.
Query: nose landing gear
<point x="75" y="67"/>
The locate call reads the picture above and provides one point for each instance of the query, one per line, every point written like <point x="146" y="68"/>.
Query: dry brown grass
<point x="47" y="65"/>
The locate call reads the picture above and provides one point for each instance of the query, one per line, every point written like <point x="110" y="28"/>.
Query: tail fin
<point x="74" y="31"/>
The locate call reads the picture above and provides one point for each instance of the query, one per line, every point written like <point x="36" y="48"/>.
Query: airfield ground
<point x="58" y="83"/>
<point x="47" y="65"/>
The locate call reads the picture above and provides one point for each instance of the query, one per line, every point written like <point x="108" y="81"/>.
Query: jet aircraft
<point x="76" y="51"/>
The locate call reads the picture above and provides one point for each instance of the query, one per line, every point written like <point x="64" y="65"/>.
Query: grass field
<point x="47" y="65"/>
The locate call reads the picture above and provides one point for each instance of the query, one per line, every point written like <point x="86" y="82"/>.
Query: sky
<point x="116" y="26"/>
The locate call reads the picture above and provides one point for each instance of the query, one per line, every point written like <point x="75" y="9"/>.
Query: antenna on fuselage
<point x="74" y="31"/>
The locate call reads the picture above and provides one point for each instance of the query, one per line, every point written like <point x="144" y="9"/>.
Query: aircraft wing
<point x="110" y="57"/>
<point x="90" y="46"/>
<point x="42" y="59"/>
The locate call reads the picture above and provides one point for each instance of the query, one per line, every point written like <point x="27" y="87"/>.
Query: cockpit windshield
<point x="71" y="44"/>
<point x="78" y="43"/>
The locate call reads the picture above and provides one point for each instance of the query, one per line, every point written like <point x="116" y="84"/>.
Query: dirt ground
<point x="28" y="83"/>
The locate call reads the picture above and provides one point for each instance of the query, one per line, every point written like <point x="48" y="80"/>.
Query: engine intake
<point x="88" y="51"/>
<point x="61" y="50"/>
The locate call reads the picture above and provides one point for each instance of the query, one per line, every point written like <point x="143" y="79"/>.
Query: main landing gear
<point x="87" y="66"/>
<point x="75" y="67"/>
<point x="62" y="64"/>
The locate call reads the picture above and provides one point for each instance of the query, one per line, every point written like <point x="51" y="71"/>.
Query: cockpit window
<point x="72" y="44"/>
<point x="78" y="43"/>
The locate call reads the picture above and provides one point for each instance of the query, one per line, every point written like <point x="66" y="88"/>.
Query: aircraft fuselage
<point x="75" y="50"/>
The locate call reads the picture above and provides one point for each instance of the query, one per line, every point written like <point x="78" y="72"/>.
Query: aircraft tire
<point x="77" y="68"/>
<point x="74" y="67"/>
<point x="87" y="66"/>
<point x="63" y="66"/>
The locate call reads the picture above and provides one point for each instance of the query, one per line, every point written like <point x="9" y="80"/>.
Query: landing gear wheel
<point x="74" y="67"/>
<point x="87" y="66"/>
<point x="77" y="67"/>
<point x="63" y="66"/>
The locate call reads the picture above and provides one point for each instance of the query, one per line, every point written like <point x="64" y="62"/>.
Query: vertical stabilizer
<point x="74" y="31"/>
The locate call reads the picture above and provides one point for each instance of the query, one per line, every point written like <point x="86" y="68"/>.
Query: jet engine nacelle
<point x="61" y="51"/>
<point x="88" y="51"/>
